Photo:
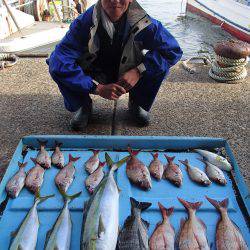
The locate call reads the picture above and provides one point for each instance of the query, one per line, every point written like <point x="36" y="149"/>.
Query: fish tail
<point x="42" y="143"/>
<point x="185" y="163"/>
<point x="22" y="165"/>
<point x="58" y="144"/>
<point x="190" y="205"/>
<point x="122" y="161"/>
<point x="69" y="197"/>
<point x="95" y="152"/>
<point x="108" y="160"/>
<point x="218" y="204"/>
<point x="141" y="205"/>
<point x="33" y="159"/>
<point x="42" y="198"/>
<point x="115" y="165"/>
<point x="155" y="155"/>
<point x="102" y="164"/>
<point x="166" y="212"/>
<point x="170" y="159"/>
<point x="74" y="159"/>
<point x="133" y="152"/>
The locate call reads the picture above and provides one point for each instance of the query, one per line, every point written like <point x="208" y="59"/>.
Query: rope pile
<point x="227" y="70"/>
<point x="231" y="57"/>
<point x="7" y="60"/>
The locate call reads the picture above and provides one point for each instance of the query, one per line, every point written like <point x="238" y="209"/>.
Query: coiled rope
<point x="222" y="69"/>
<point x="226" y="70"/>
<point x="7" y="60"/>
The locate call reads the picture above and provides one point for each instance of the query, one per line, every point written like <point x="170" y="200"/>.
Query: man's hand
<point x="129" y="79"/>
<point x="110" y="91"/>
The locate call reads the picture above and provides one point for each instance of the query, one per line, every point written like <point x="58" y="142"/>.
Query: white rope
<point x="222" y="69"/>
<point x="228" y="70"/>
<point x="7" y="60"/>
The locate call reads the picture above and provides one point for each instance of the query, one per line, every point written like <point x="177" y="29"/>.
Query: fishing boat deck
<point x="187" y="105"/>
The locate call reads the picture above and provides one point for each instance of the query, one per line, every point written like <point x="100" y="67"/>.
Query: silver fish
<point x="193" y="230"/>
<point x="137" y="172"/>
<point x="156" y="167"/>
<point x="101" y="213"/>
<point x="34" y="179"/>
<point x="93" y="180"/>
<point x="134" y="234"/>
<point x="173" y="172"/>
<point x="65" y="176"/>
<point x="26" y="236"/>
<point x="214" y="173"/>
<point x="196" y="174"/>
<point x="228" y="235"/>
<point x="93" y="162"/>
<point x="17" y="181"/>
<point x="59" y="237"/>
<point x="215" y="159"/>
<point x="163" y="237"/>
<point x="43" y="158"/>
<point x="57" y="157"/>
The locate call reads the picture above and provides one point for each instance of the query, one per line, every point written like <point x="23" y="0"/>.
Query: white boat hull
<point x="232" y="16"/>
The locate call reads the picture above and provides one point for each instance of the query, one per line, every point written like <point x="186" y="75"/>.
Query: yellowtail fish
<point x="93" y="162"/>
<point x="59" y="237"/>
<point x="134" y="234"/>
<point x="43" y="158"/>
<point x="156" y="167"/>
<point x="214" y="173"/>
<point x="228" y="235"/>
<point x="196" y="174"/>
<point x="26" y="236"/>
<point x="101" y="213"/>
<point x="93" y="180"/>
<point x="137" y="172"/>
<point x="215" y="159"/>
<point x="193" y="230"/>
<point x="17" y="181"/>
<point x="57" y="157"/>
<point x="34" y="179"/>
<point x="172" y="172"/>
<point x="163" y="237"/>
<point x="65" y="176"/>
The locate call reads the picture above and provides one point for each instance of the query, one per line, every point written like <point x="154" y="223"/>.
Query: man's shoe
<point x="81" y="118"/>
<point x="141" y="116"/>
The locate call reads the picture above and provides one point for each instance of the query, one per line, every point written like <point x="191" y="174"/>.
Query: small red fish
<point x="43" y="158"/>
<point x="228" y="235"/>
<point x="93" y="180"/>
<point x="93" y="162"/>
<point x="34" y="179"/>
<point x="163" y="237"/>
<point x="193" y="230"/>
<point x="65" y="176"/>
<point x="57" y="157"/>
<point x="172" y="172"/>
<point x="137" y="172"/>
<point x="17" y="181"/>
<point x="156" y="167"/>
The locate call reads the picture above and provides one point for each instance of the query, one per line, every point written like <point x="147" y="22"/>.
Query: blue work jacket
<point x="147" y="43"/>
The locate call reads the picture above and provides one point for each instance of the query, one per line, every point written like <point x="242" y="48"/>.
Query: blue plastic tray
<point x="163" y="191"/>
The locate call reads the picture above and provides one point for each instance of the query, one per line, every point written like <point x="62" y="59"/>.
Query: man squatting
<point x="114" y="47"/>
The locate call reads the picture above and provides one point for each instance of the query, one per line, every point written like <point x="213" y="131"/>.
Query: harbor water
<point x="195" y="34"/>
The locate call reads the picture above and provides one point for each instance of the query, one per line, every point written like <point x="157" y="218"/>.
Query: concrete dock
<point x="187" y="105"/>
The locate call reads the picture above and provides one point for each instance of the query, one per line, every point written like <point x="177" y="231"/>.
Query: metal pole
<point x="12" y="16"/>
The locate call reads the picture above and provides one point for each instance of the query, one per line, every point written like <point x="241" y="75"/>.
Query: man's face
<point x="115" y="8"/>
